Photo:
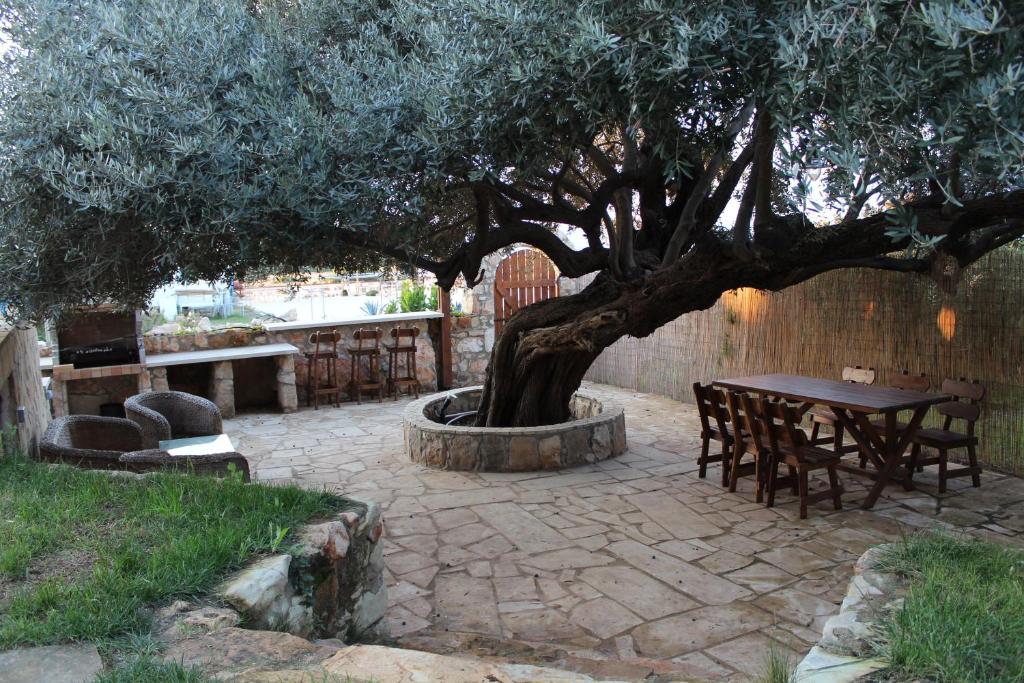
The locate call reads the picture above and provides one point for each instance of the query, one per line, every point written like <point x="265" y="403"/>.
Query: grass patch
<point x="149" y="669"/>
<point x="84" y="554"/>
<point x="777" y="666"/>
<point x="963" y="618"/>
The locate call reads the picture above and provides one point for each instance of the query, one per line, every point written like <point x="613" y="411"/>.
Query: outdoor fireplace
<point x="98" y="361"/>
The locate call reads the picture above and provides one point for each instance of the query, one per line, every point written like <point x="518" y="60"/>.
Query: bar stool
<point x="404" y="344"/>
<point x="325" y="348"/>
<point x="367" y="346"/>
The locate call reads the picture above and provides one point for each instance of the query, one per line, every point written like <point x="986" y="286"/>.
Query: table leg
<point x="895" y="445"/>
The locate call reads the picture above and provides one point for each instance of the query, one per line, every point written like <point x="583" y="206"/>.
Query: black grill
<point x="110" y="352"/>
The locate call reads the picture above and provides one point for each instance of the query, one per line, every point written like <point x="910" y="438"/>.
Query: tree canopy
<point x="141" y="139"/>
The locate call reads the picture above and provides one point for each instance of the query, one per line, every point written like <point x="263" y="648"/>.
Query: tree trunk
<point x="545" y="349"/>
<point x="541" y="355"/>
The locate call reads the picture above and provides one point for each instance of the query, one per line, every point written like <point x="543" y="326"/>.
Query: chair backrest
<point x="367" y="339"/>
<point x="325" y="341"/>
<point x="780" y="422"/>
<point x="966" y="404"/>
<point x="405" y="336"/>
<point x="859" y="375"/>
<point x="743" y="411"/>
<point x="711" y="407"/>
<point x="909" y="382"/>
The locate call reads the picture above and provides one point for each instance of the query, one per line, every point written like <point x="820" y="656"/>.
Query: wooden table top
<point x="859" y="398"/>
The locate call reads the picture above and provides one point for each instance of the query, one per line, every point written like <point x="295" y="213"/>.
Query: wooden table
<point x="852" y="404"/>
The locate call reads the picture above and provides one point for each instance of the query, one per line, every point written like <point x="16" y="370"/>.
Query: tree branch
<point x="687" y="219"/>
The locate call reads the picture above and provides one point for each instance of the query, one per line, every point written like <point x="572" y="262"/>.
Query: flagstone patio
<point x="618" y="568"/>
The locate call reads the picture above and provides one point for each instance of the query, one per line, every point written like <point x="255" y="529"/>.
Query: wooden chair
<point x="906" y="382"/>
<point x="749" y="444"/>
<point x="404" y="345"/>
<point x="714" y="426"/>
<point x="325" y="348"/>
<point x="789" y="445"/>
<point x="823" y="416"/>
<point x="367" y="345"/>
<point x="944" y="439"/>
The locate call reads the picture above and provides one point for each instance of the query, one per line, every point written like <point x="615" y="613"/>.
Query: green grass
<point x="148" y="669"/>
<point x="777" y="666"/>
<point x="84" y="554"/>
<point x="963" y="619"/>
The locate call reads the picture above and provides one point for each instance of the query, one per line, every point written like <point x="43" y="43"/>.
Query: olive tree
<point x="680" y="150"/>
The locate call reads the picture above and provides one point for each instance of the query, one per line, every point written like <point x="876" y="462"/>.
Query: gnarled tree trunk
<point x="545" y="349"/>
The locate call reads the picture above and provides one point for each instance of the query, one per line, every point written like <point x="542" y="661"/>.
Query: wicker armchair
<point x="113" y="443"/>
<point x="90" y="441"/>
<point x="166" y="415"/>
<point x="153" y="460"/>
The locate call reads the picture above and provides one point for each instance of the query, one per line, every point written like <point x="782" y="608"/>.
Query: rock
<point x="329" y="539"/>
<point x="263" y="593"/>
<point x="820" y="666"/>
<point x="237" y="649"/>
<point x="369" y="610"/>
<point x="52" y="663"/>
<point x="182" y="619"/>
<point x="393" y="665"/>
<point x="166" y="328"/>
<point x="256" y="589"/>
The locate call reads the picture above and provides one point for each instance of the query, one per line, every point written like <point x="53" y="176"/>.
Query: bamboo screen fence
<point x="888" y="321"/>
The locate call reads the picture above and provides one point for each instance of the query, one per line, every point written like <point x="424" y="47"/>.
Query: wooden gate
<point x="522" y="278"/>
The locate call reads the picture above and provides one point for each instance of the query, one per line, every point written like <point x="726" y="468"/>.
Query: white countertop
<point x="365" y="321"/>
<point x="160" y="360"/>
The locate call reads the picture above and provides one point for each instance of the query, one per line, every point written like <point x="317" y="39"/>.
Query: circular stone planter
<point x="597" y="432"/>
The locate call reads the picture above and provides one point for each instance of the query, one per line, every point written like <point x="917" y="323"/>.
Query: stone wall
<point x="330" y="586"/>
<point x="21" y="386"/>
<point x="86" y="396"/>
<point x="426" y="364"/>
<point x="473" y="332"/>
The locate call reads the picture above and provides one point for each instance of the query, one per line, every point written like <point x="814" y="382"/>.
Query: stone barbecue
<point x="98" y="361"/>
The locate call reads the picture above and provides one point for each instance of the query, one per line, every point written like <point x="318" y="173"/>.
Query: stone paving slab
<point x="51" y="663"/>
<point x="625" y="566"/>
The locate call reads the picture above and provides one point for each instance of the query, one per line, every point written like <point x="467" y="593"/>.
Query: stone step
<point x="52" y="663"/>
<point x="599" y="666"/>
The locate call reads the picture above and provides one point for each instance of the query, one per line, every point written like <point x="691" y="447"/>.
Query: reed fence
<point x="887" y="321"/>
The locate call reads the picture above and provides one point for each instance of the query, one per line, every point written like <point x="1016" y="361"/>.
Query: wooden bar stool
<point x="404" y="344"/>
<point x="367" y="345"/>
<point x="325" y="348"/>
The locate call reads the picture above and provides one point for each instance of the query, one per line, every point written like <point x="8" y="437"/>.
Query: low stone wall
<point x="597" y="432"/>
<point x="330" y="586"/>
<point x="845" y="652"/>
<point x="426" y="364"/>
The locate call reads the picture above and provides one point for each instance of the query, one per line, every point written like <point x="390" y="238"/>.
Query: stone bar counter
<point x="235" y="382"/>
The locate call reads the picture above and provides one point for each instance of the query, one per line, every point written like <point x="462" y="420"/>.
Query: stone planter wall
<point x="426" y="364"/>
<point x="844" y="653"/>
<point x="598" y="432"/>
<point x="331" y="586"/>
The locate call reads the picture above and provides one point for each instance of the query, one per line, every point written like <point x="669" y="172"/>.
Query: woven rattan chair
<point x="215" y="464"/>
<point x="166" y="415"/>
<point x="90" y="441"/>
<point x="114" y="443"/>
